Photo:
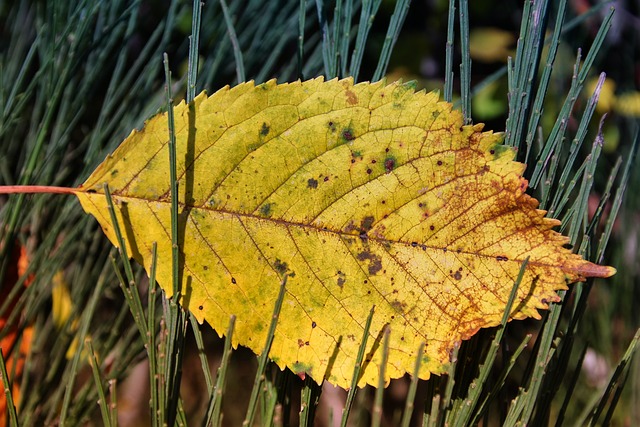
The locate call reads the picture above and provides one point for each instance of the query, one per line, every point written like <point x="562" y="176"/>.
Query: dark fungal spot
<point x="205" y="267"/>
<point x="332" y="126"/>
<point x="280" y="267"/>
<point x="233" y="280"/>
<point x="312" y="183"/>
<point x="374" y="261"/>
<point x="265" y="210"/>
<point x="91" y="191"/>
<point x="414" y="244"/>
<point x="398" y="306"/>
<point x="264" y="130"/>
<point x="502" y="258"/>
<point x="457" y="275"/>
<point x="439" y="162"/>
<point x="366" y="224"/>
<point x="314" y="324"/>
<point x="342" y="278"/>
<point x="373" y="161"/>
<point x="492" y="152"/>
<point x="389" y="164"/>
<point x="200" y="307"/>
<point x="431" y="227"/>
<point x="369" y="171"/>
<point x="347" y="134"/>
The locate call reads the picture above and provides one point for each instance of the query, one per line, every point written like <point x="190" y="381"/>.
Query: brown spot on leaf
<point x="352" y="98"/>
<point x="398" y="306"/>
<point x="389" y="164"/>
<point x="374" y="261"/>
<point x="342" y="278"/>
<point x="457" y="275"/>
<point x="282" y="268"/>
<point x="312" y="183"/>
<point x="347" y="135"/>
<point x="367" y="223"/>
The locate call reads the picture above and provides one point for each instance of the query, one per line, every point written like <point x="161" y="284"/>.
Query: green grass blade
<point x="8" y="392"/>
<point x="444" y="406"/>
<point x="571" y="388"/>
<point x="617" y="379"/>
<point x="237" y="52"/>
<point x="465" y="66"/>
<point x="310" y="396"/>
<point x="356" y="370"/>
<point x="95" y="369"/>
<point x="377" y="402"/>
<point x="264" y="357"/>
<point x="530" y="43"/>
<point x="448" y="73"/>
<point x="541" y="92"/>
<point x="368" y="12"/>
<point x="176" y="319"/>
<point x="580" y="75"/>
<point x="194" y="40"/>
<point x="470" y="403"/>
<point x="618" y="198"/>
<point x="302" y="14"/>
<point x="215" y="404"/>
<point x="344" y="38"/>
<point x="393" y="31"/>
<point x="202" y="354"/>
<point x="85" y="320"/>
<point x="327" y="43"/>
<point x="413" y="387"/>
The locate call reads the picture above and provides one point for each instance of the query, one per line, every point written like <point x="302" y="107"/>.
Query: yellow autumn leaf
<point x="364" y="195"/>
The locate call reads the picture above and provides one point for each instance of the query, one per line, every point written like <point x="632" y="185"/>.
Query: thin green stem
<point x="264" y="357"/>
<point x="356" y="369"/>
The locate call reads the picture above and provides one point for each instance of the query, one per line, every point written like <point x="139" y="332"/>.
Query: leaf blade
<point x="362" y="195"/>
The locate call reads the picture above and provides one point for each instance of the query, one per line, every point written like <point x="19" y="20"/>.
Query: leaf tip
<point x="590" y="269"/>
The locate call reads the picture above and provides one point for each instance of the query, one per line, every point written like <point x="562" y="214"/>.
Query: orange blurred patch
<point x="14" y="360"/>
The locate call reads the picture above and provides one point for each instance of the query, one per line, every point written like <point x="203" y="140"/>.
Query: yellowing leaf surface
<point x="364" y="195"/>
